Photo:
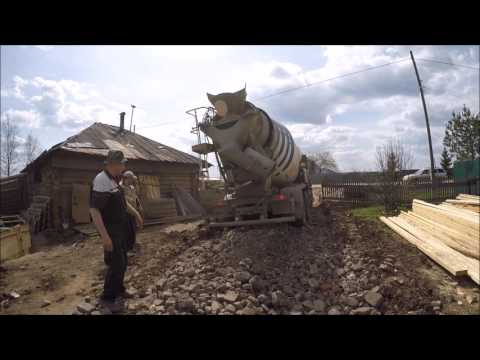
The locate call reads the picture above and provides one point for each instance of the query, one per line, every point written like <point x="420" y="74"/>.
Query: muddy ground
<point x="338" y="265"/>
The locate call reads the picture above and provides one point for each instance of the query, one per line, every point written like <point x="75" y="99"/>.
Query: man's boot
<point x="112" y="306"/>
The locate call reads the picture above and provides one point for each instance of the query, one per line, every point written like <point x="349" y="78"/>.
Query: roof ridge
<point x="98" y="134"/>
<point x="154" y="141"/>
<point x="76" y="135"/>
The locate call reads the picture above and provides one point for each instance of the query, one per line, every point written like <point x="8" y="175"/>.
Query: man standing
<point x="108" y="209"/>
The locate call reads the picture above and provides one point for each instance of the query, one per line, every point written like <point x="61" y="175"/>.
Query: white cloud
<point x="19" y="84"/>
<point x="21" y="141"/>
<point x="66" y="103"/>
<point x="44" y="47"/>
<point x="387" y="99"/>
<point x="23" y="118"/>
<point x="40" y="47"/>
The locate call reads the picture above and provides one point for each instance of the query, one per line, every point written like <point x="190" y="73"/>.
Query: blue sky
<point x="55" y="91"/>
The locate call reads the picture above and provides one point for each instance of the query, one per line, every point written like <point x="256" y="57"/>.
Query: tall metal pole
<point x="131" y="118"/>
<point x="432" y="165"/>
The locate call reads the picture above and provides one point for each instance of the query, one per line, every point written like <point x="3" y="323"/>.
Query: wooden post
<point x="432" y="176"/>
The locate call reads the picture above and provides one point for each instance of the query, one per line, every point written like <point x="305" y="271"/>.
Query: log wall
<point x="65" y="169"/>
<point x="13" y="194"/>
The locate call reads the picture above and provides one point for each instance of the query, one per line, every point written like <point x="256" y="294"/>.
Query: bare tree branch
<point x="323" y="161"/>
<point x="391" y="158"/>
<point x="31" y="149"/>
<point x="9" y="147"/>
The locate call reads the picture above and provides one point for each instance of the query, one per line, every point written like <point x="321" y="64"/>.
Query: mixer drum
<point x="256" y="145"/>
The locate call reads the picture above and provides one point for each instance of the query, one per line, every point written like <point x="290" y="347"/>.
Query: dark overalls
<point x="113" y="208"/>
<point x="132" y="234"/>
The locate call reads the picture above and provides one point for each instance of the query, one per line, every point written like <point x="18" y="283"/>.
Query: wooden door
<point x="80" y="203"/>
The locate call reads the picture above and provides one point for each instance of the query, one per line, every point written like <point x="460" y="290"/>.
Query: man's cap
<point x="129" y="173"/>
<point x="115" y="156"/>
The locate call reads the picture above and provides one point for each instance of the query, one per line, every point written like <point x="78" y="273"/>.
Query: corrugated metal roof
<point x="99" y="138"/>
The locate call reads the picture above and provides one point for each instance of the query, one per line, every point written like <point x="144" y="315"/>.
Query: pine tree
<point x="462" y="135"/>
<point x="446" y="160"/>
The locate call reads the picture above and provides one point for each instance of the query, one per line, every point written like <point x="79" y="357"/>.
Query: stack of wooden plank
<point x="149" y="187"/>
<point x="39" y="213"/>
<point x="464" y="202"/>
<point x="448" y="235"/>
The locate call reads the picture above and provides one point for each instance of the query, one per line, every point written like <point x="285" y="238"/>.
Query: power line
<point x="147" y="127"/>
<point x="333" y="78"/>
<point x="449" y="63"/>
<point x="326" y="80"/>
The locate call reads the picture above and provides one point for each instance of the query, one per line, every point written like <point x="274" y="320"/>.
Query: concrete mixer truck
<point x="266" y="176"/>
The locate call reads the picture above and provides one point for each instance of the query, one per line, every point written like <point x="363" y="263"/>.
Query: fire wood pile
<point x="448" y="233"/>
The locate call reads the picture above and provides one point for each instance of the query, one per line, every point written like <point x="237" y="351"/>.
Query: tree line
<point x="462" y="138"/>
<point x="461" y="142"/>
<point x="15" y="152"/>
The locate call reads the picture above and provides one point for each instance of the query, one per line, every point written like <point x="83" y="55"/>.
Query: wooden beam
<point x="439" y="253"/>
<point x="463" y="201"/>
<point x="473" y="208"/>
<point x="458" y="209"/>
<point x="460" y="237"/>
<point x="253" y="222"/>
<point x="467" y="196"/>
<point x="174" y="219"/>
<point x="469" y="217"/>
<point x="462" y="223"/>
<point x="426" y="230"/>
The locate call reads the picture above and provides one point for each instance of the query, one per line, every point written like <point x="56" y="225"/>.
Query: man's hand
<point x="139" y="221"/>
<point x="98" y="221"/>
<point x="107" y="244"/>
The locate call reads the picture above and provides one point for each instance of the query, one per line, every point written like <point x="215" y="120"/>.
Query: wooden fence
<point x="13" y="194"/>
<point x="372" y="193"/>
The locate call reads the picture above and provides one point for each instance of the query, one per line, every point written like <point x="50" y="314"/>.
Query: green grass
<point x="371" y="212"/>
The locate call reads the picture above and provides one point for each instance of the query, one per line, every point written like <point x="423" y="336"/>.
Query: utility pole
<point x="426" y="118"/>
<point x="131" y="118"/>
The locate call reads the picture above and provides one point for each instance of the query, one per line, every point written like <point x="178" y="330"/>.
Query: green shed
<point x="468" y="173"/>
<point x="466" y="170"/>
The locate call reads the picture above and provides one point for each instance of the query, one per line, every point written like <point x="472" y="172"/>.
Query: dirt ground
<point x="339" y="265"/>
<point x="65" y="274"/>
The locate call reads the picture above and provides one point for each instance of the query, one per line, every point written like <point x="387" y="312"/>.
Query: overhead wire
<point x="330" y="79"/>
<point x="449" y="63"/>
<point x="309" y="84"/>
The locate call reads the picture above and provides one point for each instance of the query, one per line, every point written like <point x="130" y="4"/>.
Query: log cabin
<point x="61" y="176"/>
